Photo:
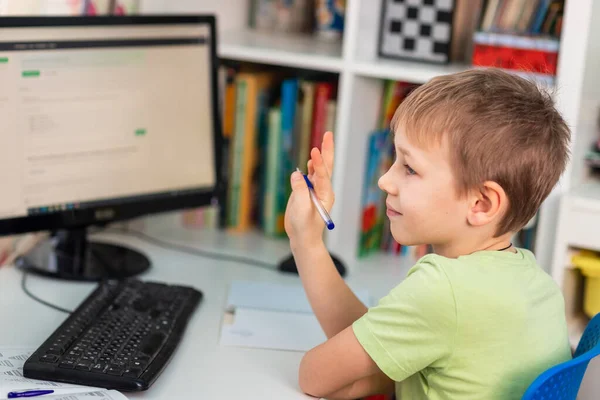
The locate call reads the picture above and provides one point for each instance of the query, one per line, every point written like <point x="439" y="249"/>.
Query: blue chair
<point x="562" y="381"/>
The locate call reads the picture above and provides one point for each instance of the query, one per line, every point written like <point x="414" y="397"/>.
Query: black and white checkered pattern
<point x="417" y="29"/>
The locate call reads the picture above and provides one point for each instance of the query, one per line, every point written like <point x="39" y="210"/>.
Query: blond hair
<point x="499" y="127"/>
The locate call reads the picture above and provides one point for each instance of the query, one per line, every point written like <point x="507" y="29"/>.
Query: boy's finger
<point x="319" y="164"/>
<point x="322" y="182"/>
<point x="310" y="167"/>
<point x="327" y="150"/>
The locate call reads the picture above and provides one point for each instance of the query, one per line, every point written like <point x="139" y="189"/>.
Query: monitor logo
<point x="104" y="214"/>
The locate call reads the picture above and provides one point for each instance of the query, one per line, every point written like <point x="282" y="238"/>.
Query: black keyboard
<point x="121" y="337"/>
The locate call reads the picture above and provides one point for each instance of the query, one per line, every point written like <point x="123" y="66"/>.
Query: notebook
<point x="272" y="316"/>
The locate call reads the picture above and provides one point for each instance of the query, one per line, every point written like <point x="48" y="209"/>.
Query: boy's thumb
<point x="297" y="181"/>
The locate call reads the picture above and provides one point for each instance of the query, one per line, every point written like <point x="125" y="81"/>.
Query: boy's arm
<point x="341" y="369"/>
<point x="374" y="384"/>
<point x="334" y="304"/>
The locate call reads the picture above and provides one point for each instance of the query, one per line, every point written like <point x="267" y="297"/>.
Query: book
<point x="289" y="96"/>
<point x="331" y="114"/>
<point x="307" y="109"/>
<point x="251" y="87"/>
<point x="372" y="198"/>
<point x="324" y="92"/>
<point x="273" y="208"/>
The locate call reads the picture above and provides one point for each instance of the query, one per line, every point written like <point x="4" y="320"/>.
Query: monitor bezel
<point x="131" y="208"/>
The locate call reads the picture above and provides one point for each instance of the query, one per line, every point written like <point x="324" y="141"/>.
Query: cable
<point x="34" y="297"/>
<point x="159" y="243"/>
<point x="191" y="250"/>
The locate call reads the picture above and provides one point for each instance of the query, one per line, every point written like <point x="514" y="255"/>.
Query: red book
<point x="517" y="53"/>
<point x="323" y="91"/>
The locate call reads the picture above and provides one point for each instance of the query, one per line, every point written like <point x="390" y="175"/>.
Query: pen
<point x="322" y="211"/>
<point x="29" y="393"/>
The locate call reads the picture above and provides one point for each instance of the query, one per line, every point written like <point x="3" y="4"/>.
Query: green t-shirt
<point x="481" y="326"/>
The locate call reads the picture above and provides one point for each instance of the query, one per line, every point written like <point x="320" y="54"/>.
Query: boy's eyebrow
<point x="403" y="150"/>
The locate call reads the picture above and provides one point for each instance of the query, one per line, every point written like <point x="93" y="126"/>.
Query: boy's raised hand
<point x="303" y="224"/>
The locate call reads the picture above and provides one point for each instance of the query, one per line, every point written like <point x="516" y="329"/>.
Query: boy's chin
<point x="406" y="239"/>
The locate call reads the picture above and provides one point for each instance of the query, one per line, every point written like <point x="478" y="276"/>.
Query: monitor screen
<point x="105" y="112"/>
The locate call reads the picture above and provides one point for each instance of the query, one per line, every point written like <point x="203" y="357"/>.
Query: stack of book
<point x="270" y="122"/>
<point x="521" y="36"/>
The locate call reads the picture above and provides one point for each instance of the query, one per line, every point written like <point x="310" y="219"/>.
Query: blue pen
<point x="322" y="211"/>
<point x="29" y="393"/>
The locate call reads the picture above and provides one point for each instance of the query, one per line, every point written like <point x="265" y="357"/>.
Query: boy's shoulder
<point x="436" y="279"/>
<point x="495" y="270"/>
<point x="492" y="275"/>
<point x="482" y="259"/>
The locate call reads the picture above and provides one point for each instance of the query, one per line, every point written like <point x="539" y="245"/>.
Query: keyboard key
<point x="141" y="358"/>
<point x="75" y="353"/>
<point x="84" y="365"/>
<point x="69" y="357"/>
<point x="99" y="367"/>
<point x="115" y="370"/>
<point x="49" y="358"/>
<point x="132" y="372"/>
<point x="67" y="364"/>
<point x="54" y="350"/>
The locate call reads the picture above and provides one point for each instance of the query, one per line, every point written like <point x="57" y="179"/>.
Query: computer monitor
<point x="104" y="119"/>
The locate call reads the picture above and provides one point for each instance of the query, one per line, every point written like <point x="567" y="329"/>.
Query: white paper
<point x="12" y="360"/>
<point x="272" y="316"/>
<point x="273" y="330"/>
<point x="276" y="297"/>
<point x="100" y="395"/>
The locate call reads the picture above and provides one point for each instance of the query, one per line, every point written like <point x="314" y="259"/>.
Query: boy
<point x="476" y="154"/>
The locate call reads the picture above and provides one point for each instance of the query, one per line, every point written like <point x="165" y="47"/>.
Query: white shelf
<point x="298" y="51"/>
<point x="587" y="195"/>
<point x="406" y="71"/>
<point x="421" y="72"/>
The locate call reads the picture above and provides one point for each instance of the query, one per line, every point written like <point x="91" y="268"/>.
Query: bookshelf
<point x="403" y="70"/>
<point x="361" y="75"/>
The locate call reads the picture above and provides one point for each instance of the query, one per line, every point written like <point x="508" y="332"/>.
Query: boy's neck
<point x="464" y="247"/>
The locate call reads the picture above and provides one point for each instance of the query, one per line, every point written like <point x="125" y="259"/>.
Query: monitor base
<point x="68" y="255"/>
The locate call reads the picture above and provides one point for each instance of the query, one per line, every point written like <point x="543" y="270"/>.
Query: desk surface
<point x="201" y="366"/>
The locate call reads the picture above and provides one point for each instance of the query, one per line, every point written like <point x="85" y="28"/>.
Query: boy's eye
<point x="409" y="170"/>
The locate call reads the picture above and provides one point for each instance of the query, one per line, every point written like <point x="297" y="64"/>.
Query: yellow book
<point x="245" y="148"/>
<point x="229" y="104"/>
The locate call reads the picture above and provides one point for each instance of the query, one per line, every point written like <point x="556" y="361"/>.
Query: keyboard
<point x="120" y="337"/>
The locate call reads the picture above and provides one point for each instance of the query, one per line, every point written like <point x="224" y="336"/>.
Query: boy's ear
<point x="486" y="204"/>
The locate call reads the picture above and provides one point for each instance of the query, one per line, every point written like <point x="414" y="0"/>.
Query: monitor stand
<point x="67" y="254"/>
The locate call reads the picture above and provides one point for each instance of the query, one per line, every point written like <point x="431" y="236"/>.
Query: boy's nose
<point x="385" y="184"/>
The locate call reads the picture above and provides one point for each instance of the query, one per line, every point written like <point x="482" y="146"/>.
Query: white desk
<point x="200" y="367"/>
